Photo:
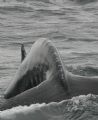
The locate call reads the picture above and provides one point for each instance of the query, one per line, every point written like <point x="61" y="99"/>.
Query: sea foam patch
<point x="81" y="107"/>
<point x="33" y="112"/>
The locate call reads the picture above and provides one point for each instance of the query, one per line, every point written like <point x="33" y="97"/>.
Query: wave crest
<point x="81" y="107"/>
<point x="84" y="70"/>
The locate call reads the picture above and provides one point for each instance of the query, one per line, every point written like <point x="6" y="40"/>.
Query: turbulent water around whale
<point x="72" y="25"/>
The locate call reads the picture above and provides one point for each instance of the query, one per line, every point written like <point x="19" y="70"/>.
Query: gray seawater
<point x="71" y="25"/>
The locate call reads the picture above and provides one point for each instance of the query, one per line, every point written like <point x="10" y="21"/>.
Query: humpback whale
<point x="42" y="78"/>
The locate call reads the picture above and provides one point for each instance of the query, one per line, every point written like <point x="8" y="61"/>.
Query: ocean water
<point x="72" y="25"/>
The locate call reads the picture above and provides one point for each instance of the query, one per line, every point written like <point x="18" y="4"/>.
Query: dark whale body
<point x="42" y="78"/>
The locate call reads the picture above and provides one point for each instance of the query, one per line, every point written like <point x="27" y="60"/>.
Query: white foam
<point x="33" y="112"/>
<point x="84" y="107"/>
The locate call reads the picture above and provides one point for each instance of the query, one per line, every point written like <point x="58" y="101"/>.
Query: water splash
<point x="81" y="107"/>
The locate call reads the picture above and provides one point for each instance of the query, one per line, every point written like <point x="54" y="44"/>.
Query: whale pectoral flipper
<point x="41" y="77"/>
<point x="23" y="52"/>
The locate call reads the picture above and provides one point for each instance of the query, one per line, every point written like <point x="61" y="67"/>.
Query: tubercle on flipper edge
<point x="59" y="66"/>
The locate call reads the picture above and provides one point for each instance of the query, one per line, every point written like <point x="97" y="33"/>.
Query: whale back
<point x="42" y="63"/>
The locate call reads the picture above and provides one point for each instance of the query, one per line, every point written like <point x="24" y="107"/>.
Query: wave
<point x="84" y="1"/>
<point x="82" y="39"/>
<point x="81" y="107"/>
<point x="22" y="6"/>
<point x="83" y="70"/>
<point x="30" y="5"/>
<point x="15" y="7"/>
<point x="46" y="1"/>
<point x="60" y="1"/>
